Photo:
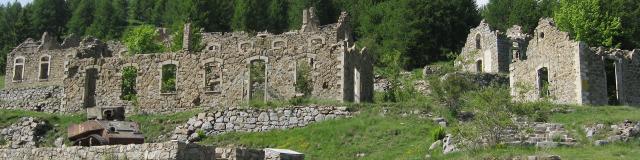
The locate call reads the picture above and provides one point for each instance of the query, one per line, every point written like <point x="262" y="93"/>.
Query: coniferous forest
<point x="403" y="34"/>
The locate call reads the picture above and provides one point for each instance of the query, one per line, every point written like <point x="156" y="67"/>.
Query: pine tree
<point x="220" y="15"/>
<point x="82" y="17"/>
<point x="278" y="16"/>
<point x="141" y="12"/>
<point x="443" y="27"/>
<point x="103" y="25"/>
<point x="159" y="9"/>
<point x="49" y="16"/>
<point x="250" y="15"/>
<point x="120" y="16"/>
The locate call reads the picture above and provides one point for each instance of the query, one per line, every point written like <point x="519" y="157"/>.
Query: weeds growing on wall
<point x="257" y="79"/>
<point x="303" y="79"/>
<point x="129" y="92"/>
<point x="169" y="78"/>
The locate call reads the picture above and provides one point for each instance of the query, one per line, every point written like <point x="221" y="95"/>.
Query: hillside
<point x="400" y="130"/>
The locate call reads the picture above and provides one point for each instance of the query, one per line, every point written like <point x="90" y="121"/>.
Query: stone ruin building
<point x="490" y="51"/>
<point x="550" y="65"/>
<point x="232" y="69"/>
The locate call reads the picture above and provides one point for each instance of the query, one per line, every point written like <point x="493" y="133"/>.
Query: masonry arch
<point x="18" y="69"/>
<point x="45" y="67"/>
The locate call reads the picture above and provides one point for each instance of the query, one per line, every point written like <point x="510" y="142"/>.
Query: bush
<point x="129" y="92"/>
<point x="168" y="79"/>
<point x="438" y="133"/>
<point x="491" y="107"/>
<point x="303" y="79"/>
<point x="141" y="40"/>
<point x="449" y="89"/>
<point x="536" y="111"/>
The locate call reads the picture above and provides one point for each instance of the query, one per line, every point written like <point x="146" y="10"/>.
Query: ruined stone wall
<point x="553" y="49"/>
<point x="256" y="120"/>
<point x="30" y="52"/>
<point x="147" y="151"/>
<point x="493" y="50"/>
<point x="595" y="77"/>
<point x="357" y="76"/>
<point x="631" y="78"/>
<point x="328" y="49"/>
<point x="234" y="51"/>
<point x="46" y="99"/>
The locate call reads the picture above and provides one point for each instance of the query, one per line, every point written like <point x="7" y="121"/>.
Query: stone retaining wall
<point x="168" y="150"/>
<point x="255" y="120"/>
<point x="23" y="134"/>
<point x="46" y="99"/>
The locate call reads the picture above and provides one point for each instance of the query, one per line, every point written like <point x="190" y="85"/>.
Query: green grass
<point x="57" y="122"/>
<point x="378" y="137"/>
<point x="630" y="151"/>
<point x="153" y="126"/>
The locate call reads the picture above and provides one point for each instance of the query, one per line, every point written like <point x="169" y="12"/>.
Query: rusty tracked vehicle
<point x="105" y="126"/>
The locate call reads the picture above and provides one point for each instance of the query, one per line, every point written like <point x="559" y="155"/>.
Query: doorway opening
<point x="479" y="66"/>
<point x="543" y="82"/>
<point x="612" y="82"/>
<point x="257" y="80"/>
<point x="90" y="81"/>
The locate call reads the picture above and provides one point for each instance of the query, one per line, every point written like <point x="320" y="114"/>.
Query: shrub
<point x="303" y="79"/>
<point x="438" y="133"/>
<point x="141" y="40"/>
<point x="169" y="79"/>
<point x="449" y="89"/>
<point x="537" y="111"/>
<point x="492" y="114"/>
<point x="129" y="92"/>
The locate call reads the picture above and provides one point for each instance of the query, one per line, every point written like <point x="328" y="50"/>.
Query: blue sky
<point x="480" y="2"/>
<point x="21" y="1"/>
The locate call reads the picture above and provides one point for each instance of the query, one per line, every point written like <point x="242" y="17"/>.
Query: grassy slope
<point x="378" y="137"/>
<point x="574" y="123"/>
<point x="153" y="126"/>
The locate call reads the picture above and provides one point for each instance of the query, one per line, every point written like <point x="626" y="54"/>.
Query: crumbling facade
<point x="490" y="51"/>
<point x="570" y="72"/>
<point x="550" y="65"/>
<point x="91" y="72"/>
